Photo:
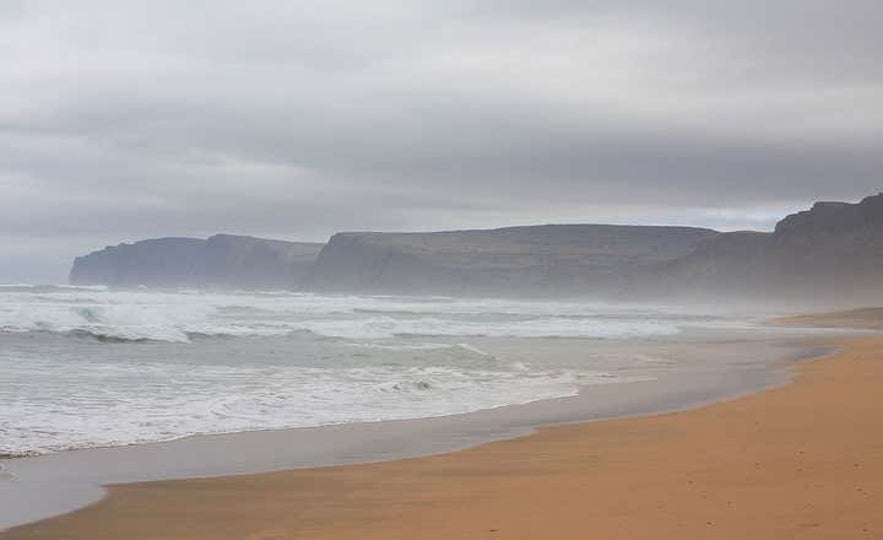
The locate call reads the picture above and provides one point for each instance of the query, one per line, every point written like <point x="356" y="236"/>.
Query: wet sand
<point x="800" y="461"/>
<point x="686" y="371"/>
<point x="869" y="318"/>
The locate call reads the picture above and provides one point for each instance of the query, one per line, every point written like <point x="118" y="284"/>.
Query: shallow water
<point x="88" y="367"/>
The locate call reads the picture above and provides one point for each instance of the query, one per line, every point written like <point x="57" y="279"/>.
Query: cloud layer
<point x="123" y="120"/>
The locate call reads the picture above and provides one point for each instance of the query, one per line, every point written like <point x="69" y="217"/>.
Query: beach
<point x="441" y="270"/>
<point x="800" y="461"/>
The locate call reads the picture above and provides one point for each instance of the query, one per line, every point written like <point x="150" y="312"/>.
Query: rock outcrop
<point x="548" y="260"/>
<point x="830" y="253"/>
<point x="222" y="261"/>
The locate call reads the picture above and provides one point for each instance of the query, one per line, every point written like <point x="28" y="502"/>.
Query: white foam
<point x="107" y="410"/>
<point x="342" y="359"/>
<point x="174" y="317"/>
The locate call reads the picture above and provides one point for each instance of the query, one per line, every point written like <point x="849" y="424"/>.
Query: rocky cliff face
<point x="832" y="252"/>
<point x="550" y="260"/>
<point x="222" y="261"/>
<point x="833" y="218"/>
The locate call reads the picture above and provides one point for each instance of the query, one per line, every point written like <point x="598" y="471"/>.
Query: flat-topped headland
<point x="831" y="254"/>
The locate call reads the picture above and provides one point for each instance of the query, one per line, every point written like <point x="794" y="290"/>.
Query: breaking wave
<point x="179" y="317"/>
<point x="91" y="366"/>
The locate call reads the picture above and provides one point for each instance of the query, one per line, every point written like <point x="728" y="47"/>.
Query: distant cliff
<point x="548" y="260"/>
<point x="222" y="261"/>
<point x="832" y="252"/>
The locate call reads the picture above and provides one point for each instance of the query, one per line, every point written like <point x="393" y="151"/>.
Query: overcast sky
<point x="121" y="120"/>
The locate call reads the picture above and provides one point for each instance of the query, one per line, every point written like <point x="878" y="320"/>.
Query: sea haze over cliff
<point x="831" y="252"/>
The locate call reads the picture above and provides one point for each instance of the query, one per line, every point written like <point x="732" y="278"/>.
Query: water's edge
<point x="42" y="487"/>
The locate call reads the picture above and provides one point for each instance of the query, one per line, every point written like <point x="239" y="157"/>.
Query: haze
<point x="121" y="121"/>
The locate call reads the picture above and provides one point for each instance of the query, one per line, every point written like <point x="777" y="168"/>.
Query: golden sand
<point x="803" y="461"/>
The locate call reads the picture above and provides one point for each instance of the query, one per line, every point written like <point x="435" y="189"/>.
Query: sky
<point x="124" y="120"/>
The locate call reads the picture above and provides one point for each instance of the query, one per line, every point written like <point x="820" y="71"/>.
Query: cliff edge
<point x="221" y="261"/>
<point x="831" y="252"/>
<point x="546" y="260"/>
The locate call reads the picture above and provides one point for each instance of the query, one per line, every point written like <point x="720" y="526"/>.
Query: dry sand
<point x="803" y="461"/>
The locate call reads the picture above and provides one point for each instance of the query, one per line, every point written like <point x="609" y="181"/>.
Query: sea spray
<point x="87" y="367"/>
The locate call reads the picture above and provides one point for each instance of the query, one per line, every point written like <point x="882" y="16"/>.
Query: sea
<point x="86" y="367"/>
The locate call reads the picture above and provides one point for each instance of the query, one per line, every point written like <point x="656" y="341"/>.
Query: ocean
<point x="84" y="367"/>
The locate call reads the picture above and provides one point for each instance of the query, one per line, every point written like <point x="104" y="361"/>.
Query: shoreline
<point x="797" y="461"/>
<point x="390" y="441"/>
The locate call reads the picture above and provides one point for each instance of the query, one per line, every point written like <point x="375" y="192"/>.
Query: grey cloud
<point x="297" y="119"/>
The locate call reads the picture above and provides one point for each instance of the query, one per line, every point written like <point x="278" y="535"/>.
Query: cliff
<point x="222" y="261"/>
<point x="830" y="253"/>
<point x="548" y="260"/>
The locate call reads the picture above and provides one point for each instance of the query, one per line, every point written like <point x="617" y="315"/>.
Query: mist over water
<point x="90" y="366"/>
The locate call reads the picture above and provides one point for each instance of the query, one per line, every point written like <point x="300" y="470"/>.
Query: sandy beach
<point x="428" y="270"/>
<point x="801" y="461"/>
